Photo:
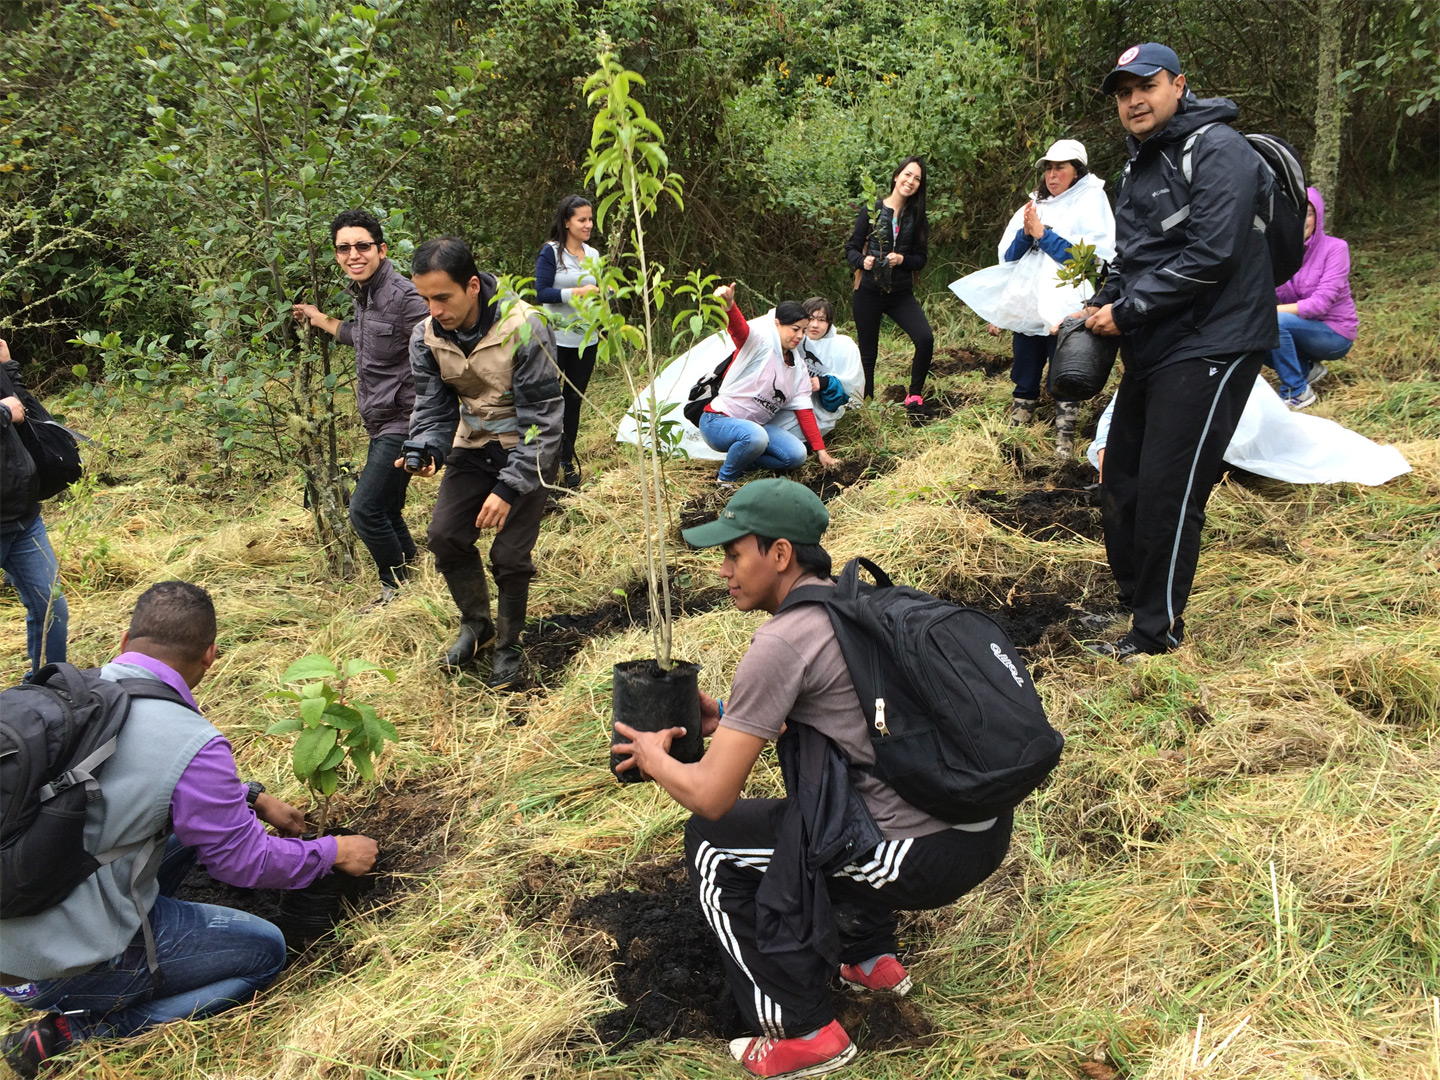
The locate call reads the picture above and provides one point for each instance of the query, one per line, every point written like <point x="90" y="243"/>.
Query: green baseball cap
<point x="779" y="509"/>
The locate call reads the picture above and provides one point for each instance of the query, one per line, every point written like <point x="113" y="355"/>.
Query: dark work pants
<point x="470" y="476"/>
<point x="377" y="509"/>
<point x="1164" y="455"/>
<point x="788" y="995"/>
<point x="868" y="305"/>
<point x="576" y="366"/>
<point x="1032" y="352"/>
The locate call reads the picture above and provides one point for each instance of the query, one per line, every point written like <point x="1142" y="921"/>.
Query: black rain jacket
<point x="1192" y="278"/>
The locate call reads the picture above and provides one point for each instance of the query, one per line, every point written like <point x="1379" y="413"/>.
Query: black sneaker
<point x="1124" y="651"/>
<point x="27" y="1049"/>
<point x="570" y="475"/>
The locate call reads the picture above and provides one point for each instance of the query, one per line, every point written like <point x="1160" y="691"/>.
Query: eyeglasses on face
<point x="364" y="247"/>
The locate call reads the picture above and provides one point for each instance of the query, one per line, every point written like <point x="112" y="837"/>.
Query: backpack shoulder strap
<point x="156" y="690"/>
<point x="806" y="594"/>
<point x="1187" y="151"/>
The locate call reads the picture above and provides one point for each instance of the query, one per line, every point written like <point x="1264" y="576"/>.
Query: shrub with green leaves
<point x="333" y="727"/>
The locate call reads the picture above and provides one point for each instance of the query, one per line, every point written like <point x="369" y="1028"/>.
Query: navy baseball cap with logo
<point x="1143" y="60"/>
<point x="778" y="509"/>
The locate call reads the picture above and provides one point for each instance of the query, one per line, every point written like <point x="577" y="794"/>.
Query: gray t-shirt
<point x="794" y="671"/>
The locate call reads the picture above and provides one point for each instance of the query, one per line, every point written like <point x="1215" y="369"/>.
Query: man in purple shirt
<point x="120" y="954"/>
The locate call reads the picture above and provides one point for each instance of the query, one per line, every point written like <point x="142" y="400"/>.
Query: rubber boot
<point x="472" y="596"/>
<point x="1067" y="413"/>
<point x="1022" y="411"/>
<point x="510" y="620"/>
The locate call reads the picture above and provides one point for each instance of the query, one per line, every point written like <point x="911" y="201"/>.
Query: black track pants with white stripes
<point x="1165" y="453"/>
<point x="788" y="995"/>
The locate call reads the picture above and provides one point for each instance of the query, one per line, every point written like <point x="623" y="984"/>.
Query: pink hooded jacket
<point x="1321" y="287"/>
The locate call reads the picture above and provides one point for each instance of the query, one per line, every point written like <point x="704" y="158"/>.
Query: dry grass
<point x="1297" y="734"/>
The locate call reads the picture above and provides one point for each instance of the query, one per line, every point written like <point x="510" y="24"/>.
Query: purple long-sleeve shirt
<point x="210" y="814"/>
<point x="1320" y="289"/>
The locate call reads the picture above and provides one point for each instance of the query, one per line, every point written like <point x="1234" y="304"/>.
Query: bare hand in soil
<point x="1102" y="322"/>
<point x="493" y="513"/>
<point x="287" y="820"/>
<point x="643" y="747"/>
<point x="709" y="714"/>
<point x="428" y="470"/>
<point x="355" y="855"/>
<point x="826" y="460"/>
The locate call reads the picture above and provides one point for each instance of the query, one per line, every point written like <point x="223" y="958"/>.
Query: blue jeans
<point x="30" y="565"/>
<point x="1303" y="342"/>
<point x="211" y="959"/>
<point x="748" y="446"/>
<point x="1032" y="352"/>
<point x="377" y="510"/>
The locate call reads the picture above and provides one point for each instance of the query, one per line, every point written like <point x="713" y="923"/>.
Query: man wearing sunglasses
<point x="386" y="309"/>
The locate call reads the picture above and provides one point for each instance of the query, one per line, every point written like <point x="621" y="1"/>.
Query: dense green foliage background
<point x="152" y="166"/>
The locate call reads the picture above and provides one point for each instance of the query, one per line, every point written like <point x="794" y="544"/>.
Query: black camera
<point x="417" y="455"/>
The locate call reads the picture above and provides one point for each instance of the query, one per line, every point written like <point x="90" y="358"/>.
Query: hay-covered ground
<point x="1235" y="871"/>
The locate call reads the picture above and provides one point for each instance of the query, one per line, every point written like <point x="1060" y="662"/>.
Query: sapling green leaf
<point x="310" y="667"/>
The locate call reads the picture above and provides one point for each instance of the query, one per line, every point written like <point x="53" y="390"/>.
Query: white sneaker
<point x="1302" y="400"/>
<point x="1318" y="371"/>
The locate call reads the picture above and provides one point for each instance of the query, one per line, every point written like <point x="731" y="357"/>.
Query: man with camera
<point x="119" y="954"/>
<point x="488" y="406"/>
<point x="386" y="309"/>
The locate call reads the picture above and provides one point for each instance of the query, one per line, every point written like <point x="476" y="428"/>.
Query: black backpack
<point x="956" y="725"/>
<point x="704" y="391"/>
<point x="1285" y="227"/>
<point x="56" y="733"/>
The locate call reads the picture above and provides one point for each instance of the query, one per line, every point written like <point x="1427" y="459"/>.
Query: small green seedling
<point x="1081" y="268"/>
<point x="332" y="726"/>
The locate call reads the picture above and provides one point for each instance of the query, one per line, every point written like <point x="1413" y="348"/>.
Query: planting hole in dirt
<point x="666" y="966"/>
<point x="408" y="826"/>
<point x="1054" y="511"/>
<point x="1042" y="617"/>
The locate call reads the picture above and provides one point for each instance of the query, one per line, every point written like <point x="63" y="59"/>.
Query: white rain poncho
<point x="1026" y="295"/>
<point x="1276" y="441"/>
<point x="834" y="354"/>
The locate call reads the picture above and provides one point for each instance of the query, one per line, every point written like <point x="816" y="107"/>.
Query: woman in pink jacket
<point x="1317" y="314"/>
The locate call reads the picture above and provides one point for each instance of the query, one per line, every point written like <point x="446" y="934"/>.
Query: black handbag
<point x="55" y="449"/>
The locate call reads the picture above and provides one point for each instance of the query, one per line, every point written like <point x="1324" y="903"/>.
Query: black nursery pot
<point x="309" y="913"/>
<point x="1082" y="362"/>
<point x="649" y="699"/>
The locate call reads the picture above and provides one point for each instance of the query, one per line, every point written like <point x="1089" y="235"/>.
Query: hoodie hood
<point x="1318" y="202"/>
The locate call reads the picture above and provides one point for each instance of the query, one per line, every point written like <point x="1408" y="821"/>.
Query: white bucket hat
<point x="1066" y="150"/>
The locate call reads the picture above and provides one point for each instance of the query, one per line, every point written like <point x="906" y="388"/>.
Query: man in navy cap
<point x="784" y="928"/>
<point x="1191" y="294"/>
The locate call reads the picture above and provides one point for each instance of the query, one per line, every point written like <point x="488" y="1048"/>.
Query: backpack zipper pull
<point x="880" y="716"/>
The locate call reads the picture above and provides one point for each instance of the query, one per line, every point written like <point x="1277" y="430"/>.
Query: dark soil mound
<point x="402" y="822"/>
<point x="1048" y="512"/>
<point x="956" y="360"/>
<point x="1041" y="618"/>
<point x="667" y="969"/>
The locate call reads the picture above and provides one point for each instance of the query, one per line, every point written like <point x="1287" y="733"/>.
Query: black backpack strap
<point x="155" y="690"/>
<point x="806" y="594"/>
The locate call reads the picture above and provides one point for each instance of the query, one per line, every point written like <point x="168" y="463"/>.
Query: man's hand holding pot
<point x="355" y="855"/>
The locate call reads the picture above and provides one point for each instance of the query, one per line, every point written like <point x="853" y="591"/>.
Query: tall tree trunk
<point x="1330" y="104"/>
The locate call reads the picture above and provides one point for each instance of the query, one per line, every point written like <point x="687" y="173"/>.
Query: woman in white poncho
<point x="1024" y="293"/>
<point x="836" y="375"/>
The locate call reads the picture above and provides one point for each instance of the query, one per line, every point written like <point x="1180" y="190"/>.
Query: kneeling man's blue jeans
<point x="1302" y="343"/>
<point x="748" y="446"/>
<point x="211" y="959"/>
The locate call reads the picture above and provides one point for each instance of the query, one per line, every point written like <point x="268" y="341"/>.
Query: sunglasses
<point x="364" y="247"/>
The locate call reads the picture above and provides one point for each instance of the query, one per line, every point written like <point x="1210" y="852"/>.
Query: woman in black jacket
<point x="886" y="255"/>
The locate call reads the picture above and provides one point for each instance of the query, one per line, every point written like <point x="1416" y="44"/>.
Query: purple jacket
<point x="1321" y="287"/>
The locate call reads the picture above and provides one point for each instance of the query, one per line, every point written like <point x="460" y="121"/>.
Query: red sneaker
<point x="783" y="1059"/>
<point x="887" y="974"/>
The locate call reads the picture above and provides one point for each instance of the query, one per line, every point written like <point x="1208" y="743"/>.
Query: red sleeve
<point x="739" y="328"/>
<point x="810" y="428"/>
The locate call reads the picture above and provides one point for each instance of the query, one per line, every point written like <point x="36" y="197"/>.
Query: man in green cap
<point x="796" y="887"/>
